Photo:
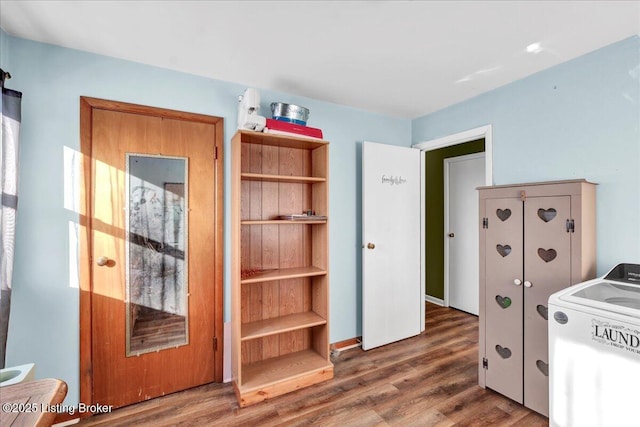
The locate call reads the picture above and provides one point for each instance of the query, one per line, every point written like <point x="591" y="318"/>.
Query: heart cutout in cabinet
<point x="504" y="352"/>
<point x="503" y="302"/>
<point x="543" y="367"/>
<point x="504" y="250"/>
<point x="547" y="214"/>
<point x="547" y="255"/>
<point x="543" y="311"/>
<point x="503" y="214"/>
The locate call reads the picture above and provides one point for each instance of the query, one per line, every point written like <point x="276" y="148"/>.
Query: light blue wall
<point x="4" y="46"/>
<point x="576" y="120"/>
<point x="44" y="316"/>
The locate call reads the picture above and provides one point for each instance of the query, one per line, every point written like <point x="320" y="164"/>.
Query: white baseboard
<point x="434" y="300"/>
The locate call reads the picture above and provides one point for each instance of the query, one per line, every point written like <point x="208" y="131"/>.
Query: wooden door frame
<point x="87" y="105"/>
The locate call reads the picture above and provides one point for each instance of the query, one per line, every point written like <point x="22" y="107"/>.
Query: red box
<point x="278" y="125"/>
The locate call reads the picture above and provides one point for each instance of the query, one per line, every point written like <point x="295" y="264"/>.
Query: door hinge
<point x="215" y="153"/>
<point x="485" y="222"/>
<point x="485" y="363"/>
<point x="571" y="226"/>
<point x="215" y="343"/>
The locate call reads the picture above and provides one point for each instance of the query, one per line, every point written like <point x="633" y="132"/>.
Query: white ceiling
<point x="398" y="58"/>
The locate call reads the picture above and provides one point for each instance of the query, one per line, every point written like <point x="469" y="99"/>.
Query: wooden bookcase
<point x="280" y="268"/>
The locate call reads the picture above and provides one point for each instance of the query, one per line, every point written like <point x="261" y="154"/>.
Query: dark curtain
<point x="10" y="137"/>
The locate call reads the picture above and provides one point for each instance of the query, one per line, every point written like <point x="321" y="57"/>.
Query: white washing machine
<point x="594" y="351"/>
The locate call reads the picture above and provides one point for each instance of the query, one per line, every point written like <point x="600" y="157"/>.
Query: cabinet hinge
<point x="571" y="226"/>
<point x="485" y="222"/>
<point x="215" y="343"/>
<point x="485" y="363"/>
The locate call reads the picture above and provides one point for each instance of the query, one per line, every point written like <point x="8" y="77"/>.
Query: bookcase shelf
<point x="280" y="270"/>
<point x="278" y="325"/>
<point x="284" y="274"/>
<point x="275" y="376"/>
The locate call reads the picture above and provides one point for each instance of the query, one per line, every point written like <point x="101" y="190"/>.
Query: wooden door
<point x="391" y="290"/>
<point x="463" y="175"/>
<point x="155" y="302"/>
<point x="503" y="299"/>
<point x="547" y="269"/>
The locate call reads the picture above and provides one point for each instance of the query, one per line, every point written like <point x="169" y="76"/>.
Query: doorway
<point x="433" y="206"/>
<point x="150" y="253"/>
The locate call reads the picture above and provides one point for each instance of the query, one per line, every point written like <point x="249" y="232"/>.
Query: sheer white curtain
<point x="10" y="133"/>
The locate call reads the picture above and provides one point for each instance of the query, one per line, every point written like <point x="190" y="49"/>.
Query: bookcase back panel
<point x="276" y="345"/>
<point x="265" y="159"/>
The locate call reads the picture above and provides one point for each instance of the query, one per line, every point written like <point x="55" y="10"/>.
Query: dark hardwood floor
<point x="428" y="380"/>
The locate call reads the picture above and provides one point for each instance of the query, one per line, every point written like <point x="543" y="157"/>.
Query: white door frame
<point x="447" y="226"/>
<point x="447" y="141"/>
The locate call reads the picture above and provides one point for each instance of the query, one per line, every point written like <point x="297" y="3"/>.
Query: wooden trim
<point x="87" y="105"/>
<point x="351" y="342"/>
<point x="218" y="365"/>
<point x="86" y="374"/>
<point x="103" y="104"/>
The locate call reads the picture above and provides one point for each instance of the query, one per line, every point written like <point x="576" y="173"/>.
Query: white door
<point x="462" y="175"/>
<point x="392" y="299"/>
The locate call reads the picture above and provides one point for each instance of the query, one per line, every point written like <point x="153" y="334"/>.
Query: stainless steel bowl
<point x="289" y="112"/>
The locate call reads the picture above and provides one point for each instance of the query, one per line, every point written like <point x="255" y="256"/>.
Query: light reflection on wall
<point x="71" y="159"/>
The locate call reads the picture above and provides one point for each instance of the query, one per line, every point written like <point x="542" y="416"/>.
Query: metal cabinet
<point x="535" y="239"/>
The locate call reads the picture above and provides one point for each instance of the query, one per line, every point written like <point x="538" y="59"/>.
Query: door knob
<point x="371" y="246"/>
<point x="527" y="284"/>
<point x="517" y="282"/>
<point x="102" y="261"/>
<point x="451" y="235"/>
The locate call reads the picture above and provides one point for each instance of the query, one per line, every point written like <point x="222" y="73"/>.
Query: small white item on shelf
<point x="248" y="108"/>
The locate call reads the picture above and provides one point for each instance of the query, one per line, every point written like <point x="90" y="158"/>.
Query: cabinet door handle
<point x="527" y="284"/>
<point x="371" y="245"/>
<point x="517" y="282"/>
